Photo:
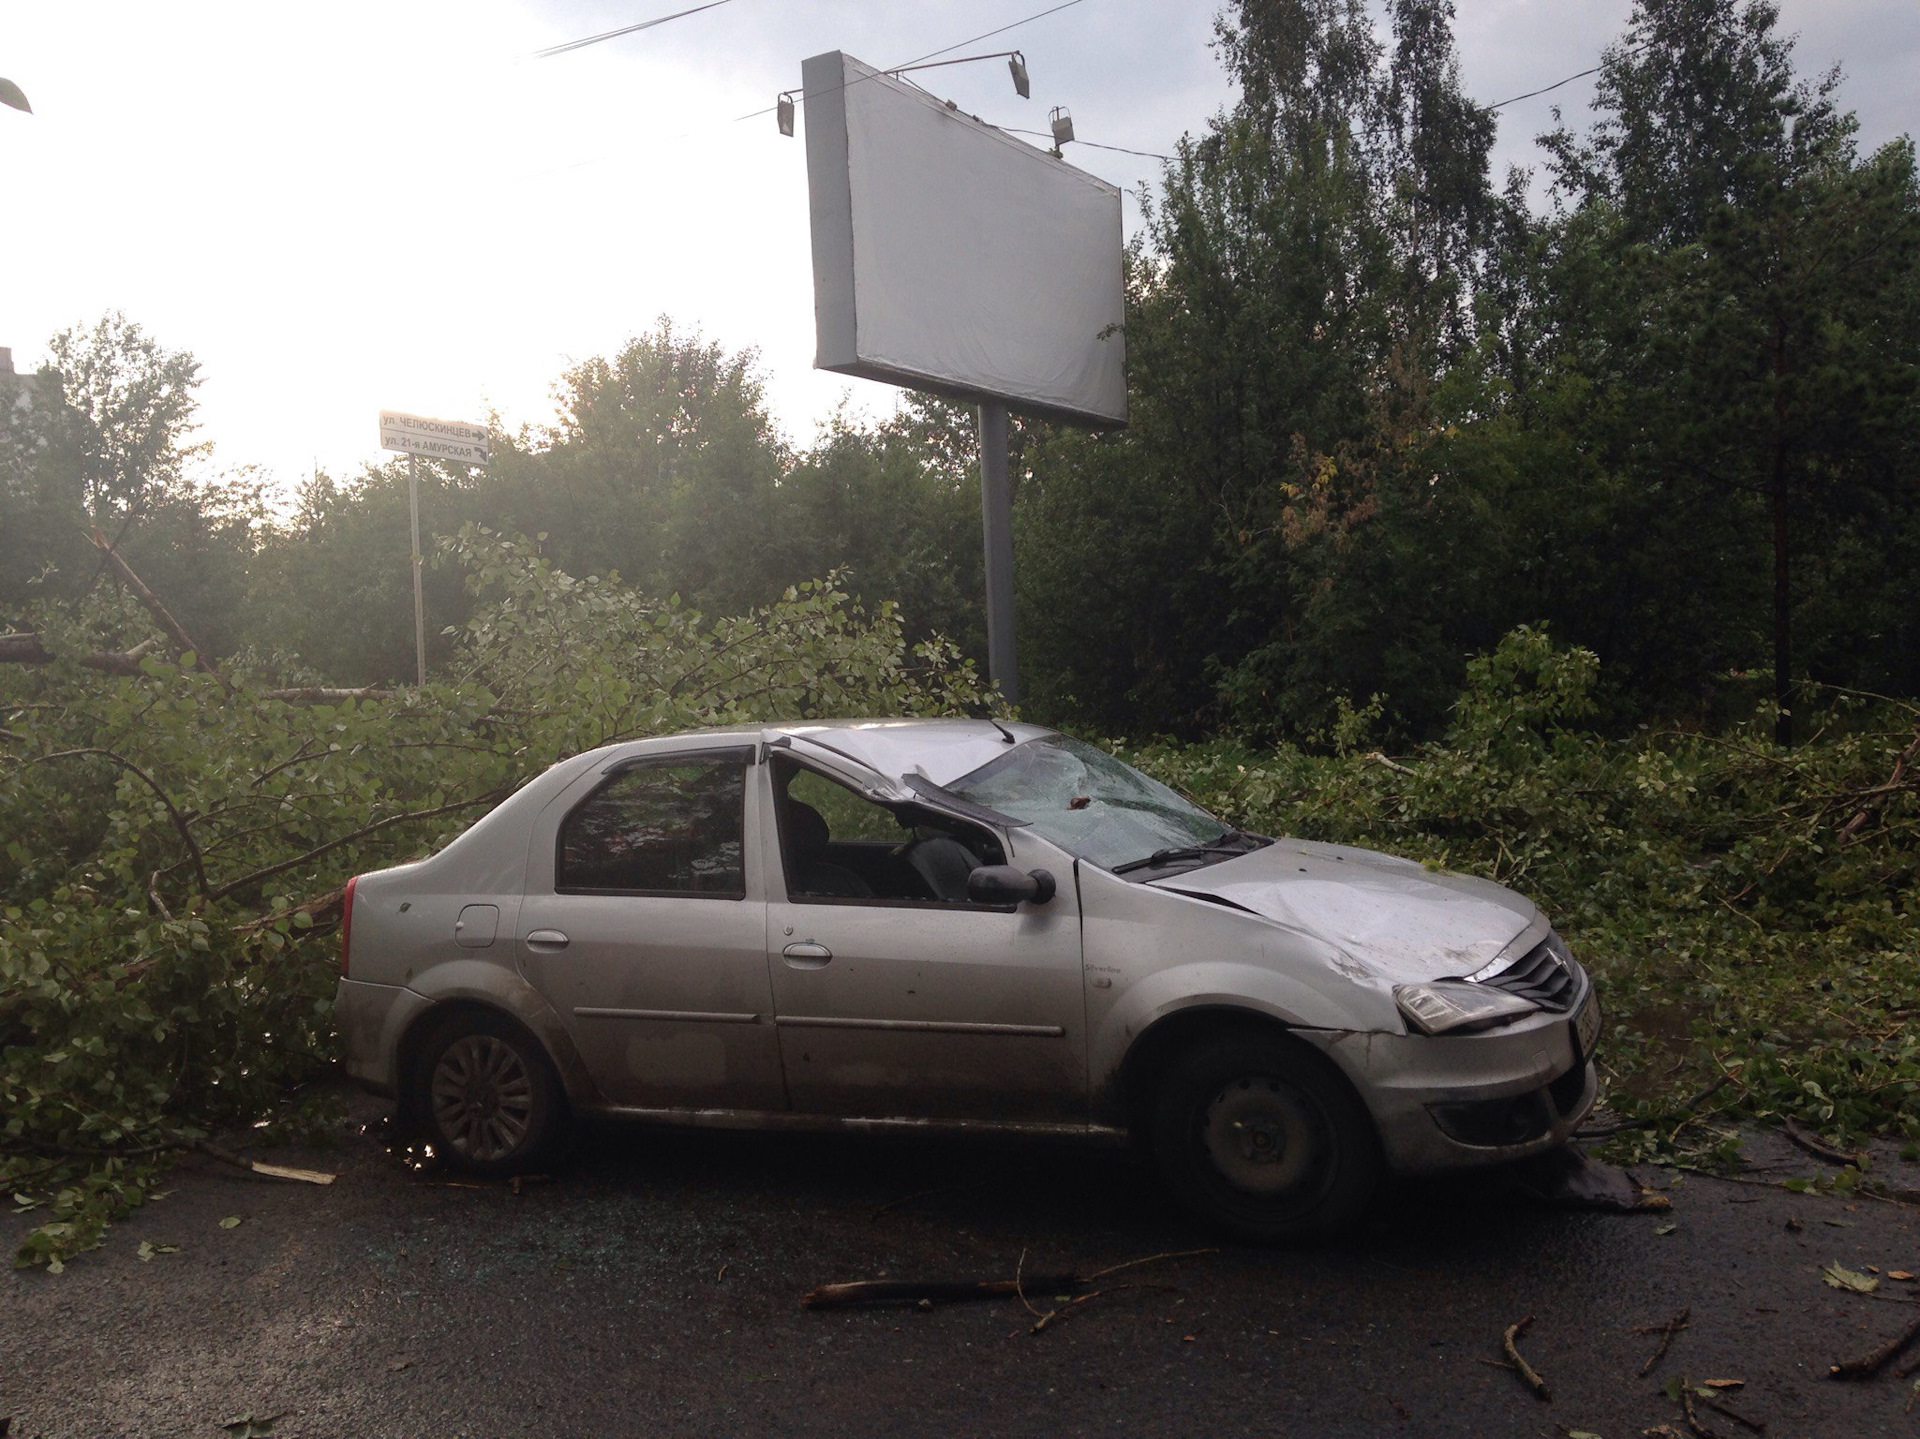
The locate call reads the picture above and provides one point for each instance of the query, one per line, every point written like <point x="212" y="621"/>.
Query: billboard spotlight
<point x="1062" y="125"/>
<point x="784" y="110"/>
<point x="1017" y="63"/>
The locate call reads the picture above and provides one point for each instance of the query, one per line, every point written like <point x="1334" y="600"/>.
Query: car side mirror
<point x="1004" y="884"/>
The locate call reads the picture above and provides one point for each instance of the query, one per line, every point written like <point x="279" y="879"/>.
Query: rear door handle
<point x="546" y="939"/>
<point x="806" y="955"/>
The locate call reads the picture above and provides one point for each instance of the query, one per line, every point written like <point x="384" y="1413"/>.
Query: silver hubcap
<point x="482" y="1097"/>
<point x="1262" y="1136"/>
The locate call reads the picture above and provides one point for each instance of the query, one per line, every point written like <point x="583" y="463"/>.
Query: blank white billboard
<point x="949" y="256"/>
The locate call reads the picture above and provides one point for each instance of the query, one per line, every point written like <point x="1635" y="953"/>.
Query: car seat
<point x="812" y="871"/>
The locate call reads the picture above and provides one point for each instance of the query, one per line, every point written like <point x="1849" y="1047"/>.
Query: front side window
<point x="838" y="847"/>
<point x="1088" y="802"/>
<point x="672" y="827"/>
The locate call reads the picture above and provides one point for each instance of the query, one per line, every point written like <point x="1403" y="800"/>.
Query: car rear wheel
<point x="485" y="1095"/>
<point x="1262" y="1139"/>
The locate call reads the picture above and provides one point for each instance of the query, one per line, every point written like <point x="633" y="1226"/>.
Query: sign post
<point x="953" y="257"/>
<point x="996" y="516"/>
<point x="416" y="435"/>
<point x="419" y="592"/>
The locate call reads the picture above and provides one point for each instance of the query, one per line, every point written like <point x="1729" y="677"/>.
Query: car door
<point x="644" y="926"/>
<point x="895" y="1004"/>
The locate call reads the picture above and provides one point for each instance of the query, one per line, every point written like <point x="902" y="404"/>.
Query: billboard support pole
<point x="996" y="514"/>
<point x="419" y="597"/>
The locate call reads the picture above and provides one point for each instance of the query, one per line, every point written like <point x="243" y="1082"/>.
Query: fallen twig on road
<point x="863" y="1292"/>
<point x="1649" y="1121"/>
<point x="1666" y="1332"/>
<point x="1872" y="1362"/>
<point x="1527" y="1371"/>
<point x="1071" y="1306"/>
<point x="269" y="1171"/>
<point x="919" y="1194"/>
<point x="1882" y="1195"/>
<point x="1699" y="1430"/>
<point x="1720" y="1406"/>
<point x="1816" y="1146"/>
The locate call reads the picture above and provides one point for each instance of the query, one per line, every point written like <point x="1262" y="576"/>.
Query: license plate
<point x="1586" y="1027"/>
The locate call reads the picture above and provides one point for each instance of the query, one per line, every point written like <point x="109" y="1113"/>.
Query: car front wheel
<point x="1262" y="1139"/>
<point x="485" y="1095"/>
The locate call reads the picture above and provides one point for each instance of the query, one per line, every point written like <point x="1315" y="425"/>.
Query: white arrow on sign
<point x="436" y="439"/>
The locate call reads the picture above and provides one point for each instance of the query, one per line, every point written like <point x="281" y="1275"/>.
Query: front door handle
<point x="806" y="955"/>
<point x="546" y="939"/>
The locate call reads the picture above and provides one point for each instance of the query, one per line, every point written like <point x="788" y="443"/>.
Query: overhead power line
<point x="1549" y="89"/>
<point x="946" y="49"/>
<point x="988" y="35"/>
<point x="1090" y="144"/>
<point x="627" y="29"/>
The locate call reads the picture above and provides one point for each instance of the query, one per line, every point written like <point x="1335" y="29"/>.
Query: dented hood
<point x="1406" y="923"/>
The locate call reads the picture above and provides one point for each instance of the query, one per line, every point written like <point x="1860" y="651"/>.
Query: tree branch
<point x="175" y="630"/>
<point x="26" y="649"/>
<point x="326" y="694"/>
<point x="491" y="797"/>
<point x="179" y="820"/>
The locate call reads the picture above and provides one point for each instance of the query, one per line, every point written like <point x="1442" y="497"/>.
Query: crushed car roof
<point x="941" y="749"/>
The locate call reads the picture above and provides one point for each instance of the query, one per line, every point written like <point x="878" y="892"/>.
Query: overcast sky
<point x="382" y="204"/>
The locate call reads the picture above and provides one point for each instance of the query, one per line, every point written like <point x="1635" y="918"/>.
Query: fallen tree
<point x="177" y="833"/>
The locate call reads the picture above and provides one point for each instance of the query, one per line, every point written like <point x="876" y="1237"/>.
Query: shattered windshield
<point x="1088" y="802"/>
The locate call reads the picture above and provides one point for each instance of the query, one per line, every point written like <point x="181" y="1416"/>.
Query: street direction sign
<point x="436" y="439"/>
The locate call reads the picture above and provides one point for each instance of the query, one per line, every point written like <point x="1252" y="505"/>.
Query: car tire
<point x="484" y="1095"/>
<point x="1260" y="1137"/>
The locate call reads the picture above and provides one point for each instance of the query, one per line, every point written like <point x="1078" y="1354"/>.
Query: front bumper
<point x="1457" y="1101"/>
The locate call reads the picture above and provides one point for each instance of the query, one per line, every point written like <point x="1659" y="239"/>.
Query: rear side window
<point x="668" y="828"/>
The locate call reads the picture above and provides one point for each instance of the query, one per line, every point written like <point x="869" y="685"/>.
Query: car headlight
<point x="1456" y="1006"/>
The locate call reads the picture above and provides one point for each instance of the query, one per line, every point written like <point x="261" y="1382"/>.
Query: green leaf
<point x="232" y="1221"/>
<point x="1842" y="1278"/>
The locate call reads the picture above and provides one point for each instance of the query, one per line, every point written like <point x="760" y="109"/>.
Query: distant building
<point x="16" y="394"/>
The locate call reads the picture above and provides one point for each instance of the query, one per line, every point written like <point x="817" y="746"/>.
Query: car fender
<point x="1222" y="984"/>
<point x="499" y="987"/>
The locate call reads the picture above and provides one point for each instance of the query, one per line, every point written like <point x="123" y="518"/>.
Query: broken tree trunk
<point x="176" y="631"/>
<point x="26" y="649"/>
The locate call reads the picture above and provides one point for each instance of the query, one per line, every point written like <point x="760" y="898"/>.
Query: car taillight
<point x="346" y="925"/>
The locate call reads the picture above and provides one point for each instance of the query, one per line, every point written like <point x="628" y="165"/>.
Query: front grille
<point x="1545" y="974"/>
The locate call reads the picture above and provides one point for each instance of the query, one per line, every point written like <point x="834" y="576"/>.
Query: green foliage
<point x="176" y="841"/>
<point x="662" y="469"/>
<point x="1381" y="415"/>
<point x="1744" y="911"/>
<point x="1383" y="421"/>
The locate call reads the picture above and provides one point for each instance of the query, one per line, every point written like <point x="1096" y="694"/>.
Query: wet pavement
<point x="652" y="1286"/>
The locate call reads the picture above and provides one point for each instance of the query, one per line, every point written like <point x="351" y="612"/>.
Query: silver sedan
<point x="959" y="925"/>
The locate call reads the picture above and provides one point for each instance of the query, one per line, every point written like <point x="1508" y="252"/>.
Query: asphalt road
<point x="652" y="1287"/>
